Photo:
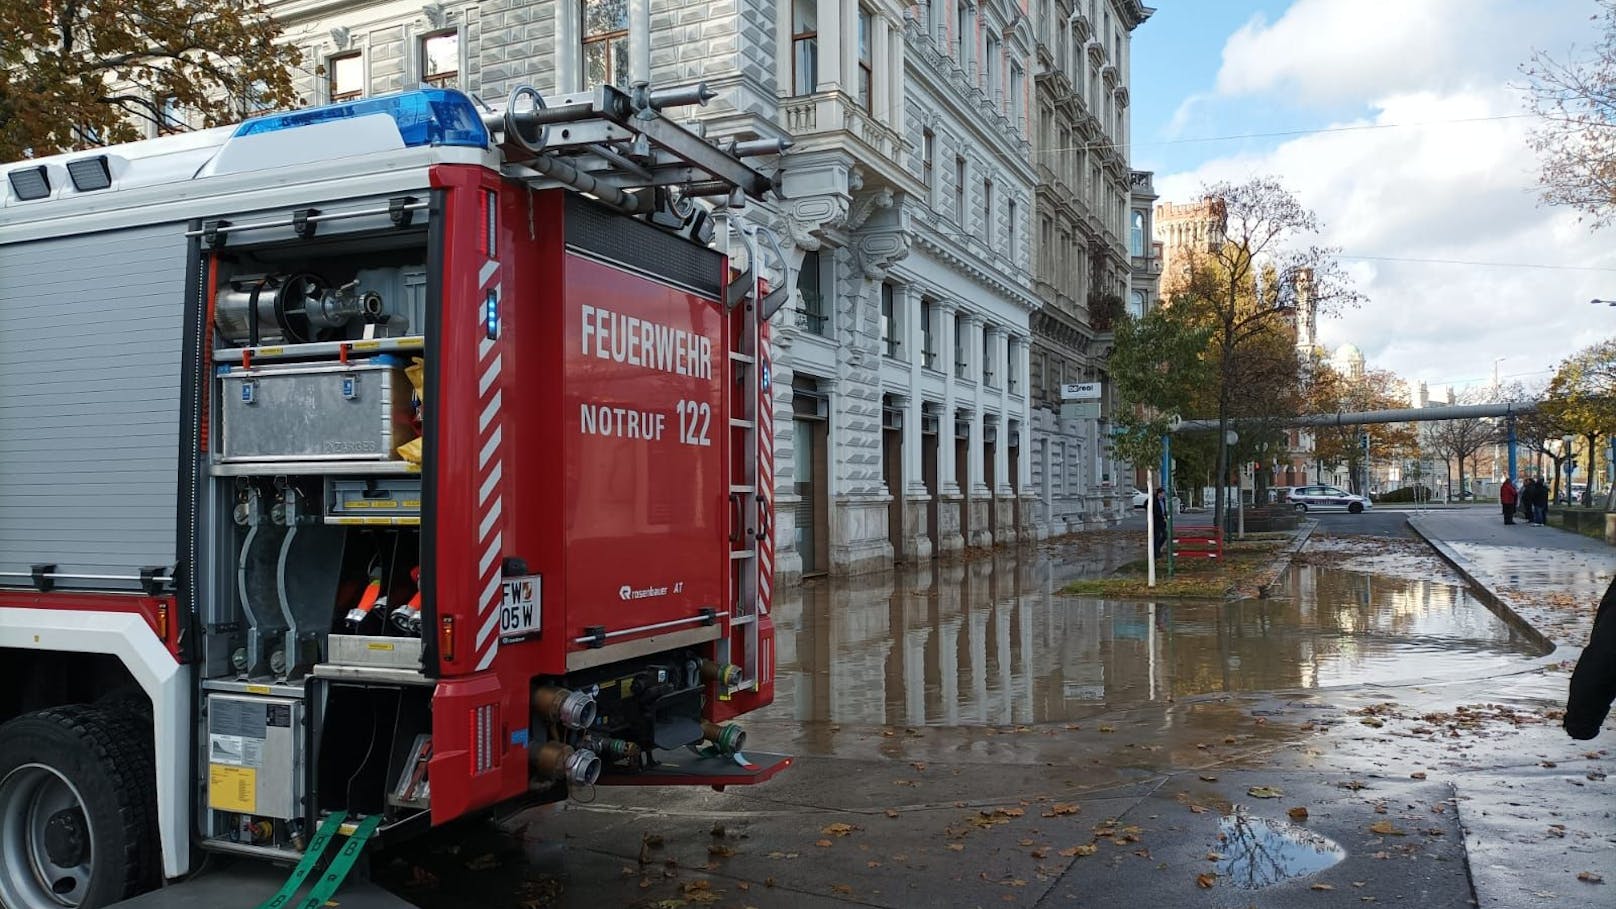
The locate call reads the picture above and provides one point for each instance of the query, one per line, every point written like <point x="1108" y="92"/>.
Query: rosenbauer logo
<point x="629" y="592"/>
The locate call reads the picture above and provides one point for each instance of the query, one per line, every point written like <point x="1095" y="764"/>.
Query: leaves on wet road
<point x="1386" y="828"/>
<point x="1265" y="792"/>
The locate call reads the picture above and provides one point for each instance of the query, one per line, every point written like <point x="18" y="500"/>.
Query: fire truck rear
<point x="369" y="466"/>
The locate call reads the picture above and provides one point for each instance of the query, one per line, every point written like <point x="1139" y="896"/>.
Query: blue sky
<point x="1419" y="186"/>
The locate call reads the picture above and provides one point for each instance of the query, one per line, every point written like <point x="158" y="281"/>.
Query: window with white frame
<point x="1010" y="214"/>
<point x="989" y="361"/>
<point x="962" y="33"/>
<point x="814" y="314"/>
<point x="1017" y="105"/>
<point x="345" y="77"/>
<point x="928" y="156"/>
<point x="1136" y="233"/>
<point x="959" y="190"/>
<point x="866" y="64"/>
<point x="891" y="344"/>
<point x="990" y="66"/>
<point x="987" y="211"/>
<point x="1012" y="367"/>
<point x="440" y="59"/>
<point x="804" y="46"/>
<point x="960" y="363"/>
<point x="605" y="41"/>
<point x="928" y="343"/>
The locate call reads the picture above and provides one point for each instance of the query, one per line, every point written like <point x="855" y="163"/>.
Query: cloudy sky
<point x="1401" y="123"/>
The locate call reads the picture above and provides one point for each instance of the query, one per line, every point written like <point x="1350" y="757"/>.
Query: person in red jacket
<point x="1593" y="683"/>
<point x="1507" y="496"/>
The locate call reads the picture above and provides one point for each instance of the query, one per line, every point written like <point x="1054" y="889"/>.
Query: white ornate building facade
<point x="904" y="427"/>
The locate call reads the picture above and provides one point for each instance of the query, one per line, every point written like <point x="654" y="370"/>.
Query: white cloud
<point x="1341" y="50"/>
<point x="1425" y="187"/>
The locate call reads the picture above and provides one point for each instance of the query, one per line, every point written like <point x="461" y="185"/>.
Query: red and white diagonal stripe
<point x="490" y="471"/>
<point x="765" y="468"/>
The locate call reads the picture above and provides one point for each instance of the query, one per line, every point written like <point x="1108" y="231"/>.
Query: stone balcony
<point x="833" y="115"/>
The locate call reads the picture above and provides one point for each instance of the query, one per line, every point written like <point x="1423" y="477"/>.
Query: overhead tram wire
<point x="1308" y="131"/>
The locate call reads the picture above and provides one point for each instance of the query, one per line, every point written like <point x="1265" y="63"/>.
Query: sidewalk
<point x="1534" y="811"/>
<point x="1550" y="579"/>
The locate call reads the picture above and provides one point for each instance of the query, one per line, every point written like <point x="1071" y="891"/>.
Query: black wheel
<point x="1355" y="508"/>
<point x="1301" y="507"/>
<point x="76" y="809"/>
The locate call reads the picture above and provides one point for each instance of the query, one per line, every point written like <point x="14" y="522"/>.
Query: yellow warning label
<point x="232" y="788"/>
<point x="258" y="689"/>
<point x="367" y="345"/>
<point x="380" y="645"/>
<point x="271" y="351"/>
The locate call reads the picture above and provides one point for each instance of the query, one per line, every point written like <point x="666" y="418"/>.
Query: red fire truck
<point x="368" y="466"/>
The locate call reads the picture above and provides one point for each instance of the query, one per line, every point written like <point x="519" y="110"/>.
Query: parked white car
<point x="1327" y="498"/>
<point x="1140" y="498"/>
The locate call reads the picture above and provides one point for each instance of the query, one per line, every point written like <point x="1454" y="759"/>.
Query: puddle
<point x="1259" y="852"/>
<point x="991" y="642"/>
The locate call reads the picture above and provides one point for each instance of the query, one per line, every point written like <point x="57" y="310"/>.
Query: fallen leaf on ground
<point x="1265" y="792"/>
<point x="1205" y="881"/>
<point x="1417" y="775"/>
<point x="1386" y="828"/>
<point x="892" y="812"/>
<point x="1589" y="877"/>
<point x="1040" y="853"/>
<point x="844" y="889"/>
<point x="1208" y="778"/>
<point x="721" y="850"/>
<point x="1085" y="849"/>
<point x="823" y="844"/>
<point x="957" y="847"/>
<point x="1108" y="729"/>
<point x="1060" y="809"/>
<point x="1322" y="887"/>
<point x="840" y="829"/>
<point x="1298" y="813"/>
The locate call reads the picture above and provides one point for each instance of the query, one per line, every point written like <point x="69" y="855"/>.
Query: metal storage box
<point x="255" y="756"/>
<point x="354" y="412"/>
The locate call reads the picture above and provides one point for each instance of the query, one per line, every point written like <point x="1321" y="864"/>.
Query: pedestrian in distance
<point x="1507" y="496"/>
<point x="1158" y="509"/>
<point x="1540" y="501"/>
<point x="1593" y="683"/>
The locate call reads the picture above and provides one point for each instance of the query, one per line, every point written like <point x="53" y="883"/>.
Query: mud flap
<point x="685" y="768"/>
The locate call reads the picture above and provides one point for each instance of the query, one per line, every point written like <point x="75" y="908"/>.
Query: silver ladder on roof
<point x="617" y="146"/>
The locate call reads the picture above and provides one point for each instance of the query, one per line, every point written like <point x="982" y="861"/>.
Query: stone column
<point x="1001" y="452"/>
<point x="783" y="50"/>
<point x="848" y="32"/>
<point x="914" y="342"/>
<point x="945" y="313"/>
<point x="979" y="496"/>
<point x="899" y="109"/>
<point x="830" y="44"/>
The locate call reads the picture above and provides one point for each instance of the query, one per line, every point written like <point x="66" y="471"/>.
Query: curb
<point x="1488" y="598"/>
<point x="1282" y="562"/>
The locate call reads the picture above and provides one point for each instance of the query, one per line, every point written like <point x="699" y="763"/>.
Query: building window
<point x="1010" y="232"/>
<point x="814" y="314"/>
<point x="988" y="360"/>
<point x="960" y="362"/>
<point x="1016" y="90"/>
<point x="890" y="343"/>
<point x="928" y="345"/>
<point x="1136" y="304"/>
<point x="1136" y="233"/>
<point x="987" y="211"/>
<point x="1012" y="368"/>
<point x="928" y="158"/>
<point x="959" y="190"/>
<point x="804" y="46"/>
<point x="440" y="59"/>
<point x="990" y="66"/>
<point x="605" y="42"/>
<point x="345" y="77"/>
<point x="866" y="37"/>
<point x="171" y="118"/>
<point x="1046" y="243"/>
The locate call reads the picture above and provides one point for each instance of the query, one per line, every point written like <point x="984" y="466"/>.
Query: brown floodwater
<point x="992" y="642"/>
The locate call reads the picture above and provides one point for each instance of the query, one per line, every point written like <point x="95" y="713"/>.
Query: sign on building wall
<point x="1071" y="411"/>
<point x="1080" y="391"/>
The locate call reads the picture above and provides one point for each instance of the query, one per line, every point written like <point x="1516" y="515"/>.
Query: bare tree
<point x="1456" y="440"/>
<point x="1575" y="96"/>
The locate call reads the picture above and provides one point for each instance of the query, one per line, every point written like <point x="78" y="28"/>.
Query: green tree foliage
<point x="1582" y="398"/>
<point x="1157" y="367"/>
<point x="1575" y="97"/>
<point x="79" y="73"/>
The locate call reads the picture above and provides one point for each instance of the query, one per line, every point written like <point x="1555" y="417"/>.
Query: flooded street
<point x="994" y="643"/>
<point x="966" y="735"/>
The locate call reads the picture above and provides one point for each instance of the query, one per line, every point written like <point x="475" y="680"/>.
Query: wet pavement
<point x="966" y="736"/>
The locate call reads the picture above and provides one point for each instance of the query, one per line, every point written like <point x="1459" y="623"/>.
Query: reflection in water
<point x="1258" y="852"/>
<point x="991" y="642"/>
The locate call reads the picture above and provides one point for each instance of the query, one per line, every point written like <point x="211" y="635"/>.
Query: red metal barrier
<point x="1198" y="543"/>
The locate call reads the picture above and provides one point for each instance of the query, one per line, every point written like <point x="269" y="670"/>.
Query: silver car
<point x="1327" y="498"/>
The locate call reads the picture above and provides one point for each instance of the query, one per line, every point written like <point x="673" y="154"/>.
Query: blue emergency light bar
<point x="428" y="116"/>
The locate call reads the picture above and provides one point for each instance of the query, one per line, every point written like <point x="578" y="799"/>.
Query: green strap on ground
<point x="328" y="883"/>
<point x="311" y="857"/>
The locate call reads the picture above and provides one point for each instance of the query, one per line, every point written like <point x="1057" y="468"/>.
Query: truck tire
<point x="76" y="809"/>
